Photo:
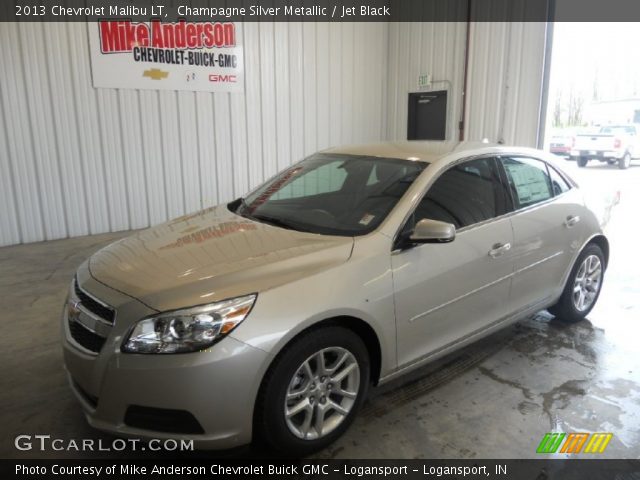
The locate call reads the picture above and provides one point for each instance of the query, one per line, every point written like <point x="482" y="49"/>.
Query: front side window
<point x="332" y="194"/>
<point x="466" y="194"/>
<point x="528" y="179"/>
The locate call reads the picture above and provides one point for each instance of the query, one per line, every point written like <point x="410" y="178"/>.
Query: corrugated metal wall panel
<point x="268" y="98"/>
<point x="19" y="137"/>
<point x="309" y="87"/>
<point x="335" y="84"/>
<point x="254" y="101"/>
<point x="46" y="151"/>
<point x="436" y="48"/>
<point x="486" y="87"/>
<point x="296" y="89"/>
<point x="347" y="74"/>
<point x="77" y="160"/>
<point x="61" y="96"/>
<point x="88" y="133"/>
<point x="504" y="78"/>
<point x="151" y="144"/>
<point x="114" y="176"/>
<point x="524" y="97"/>
<point x="505" y="81"/>
<point x="9" y="226"/>
<point x="282" y="96"/>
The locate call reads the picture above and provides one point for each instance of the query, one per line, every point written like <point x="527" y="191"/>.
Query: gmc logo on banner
<point x="222" y="78"/>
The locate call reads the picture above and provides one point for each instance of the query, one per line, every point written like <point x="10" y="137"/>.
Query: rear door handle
<point x="499" y="249"/>
<point x="571" y="221"/>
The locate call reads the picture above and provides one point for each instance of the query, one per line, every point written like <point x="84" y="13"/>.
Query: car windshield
<point x="623" y="130"/>
<point x="332" y="194"/>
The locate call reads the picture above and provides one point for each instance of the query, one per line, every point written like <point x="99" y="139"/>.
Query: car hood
<point x="212" y="255"/>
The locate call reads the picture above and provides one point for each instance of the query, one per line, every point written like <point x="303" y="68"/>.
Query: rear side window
<point x="468" y="193"/>
<point x="528" y="179"/>
<point x="558" y="183"/>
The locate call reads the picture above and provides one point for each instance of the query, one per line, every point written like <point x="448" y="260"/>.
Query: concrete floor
<point x="495" y="399"/>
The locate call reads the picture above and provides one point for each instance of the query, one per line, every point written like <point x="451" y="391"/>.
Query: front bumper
<point x="217" y="387"/>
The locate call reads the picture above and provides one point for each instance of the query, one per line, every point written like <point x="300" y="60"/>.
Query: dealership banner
<point x="157" y="55"/>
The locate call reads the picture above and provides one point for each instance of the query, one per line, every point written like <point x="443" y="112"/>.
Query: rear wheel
<point x="624" y="162"/>
<point x="583" y="286"/>
<point x="582" y="161"/>
<point x="311" y="394"/>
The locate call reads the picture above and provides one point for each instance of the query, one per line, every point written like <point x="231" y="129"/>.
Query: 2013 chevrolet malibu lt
<point x="272" y="315"/>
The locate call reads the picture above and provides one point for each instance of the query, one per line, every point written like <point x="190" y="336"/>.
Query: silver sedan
<point x="274" y="314"/>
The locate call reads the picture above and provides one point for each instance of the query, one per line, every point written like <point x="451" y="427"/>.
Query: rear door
<point x="547" y="229"/>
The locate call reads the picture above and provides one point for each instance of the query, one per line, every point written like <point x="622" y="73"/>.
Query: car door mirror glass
<point x="432" y="231"/>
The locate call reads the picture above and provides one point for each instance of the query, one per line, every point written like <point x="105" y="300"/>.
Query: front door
<point x="446" y="292"/>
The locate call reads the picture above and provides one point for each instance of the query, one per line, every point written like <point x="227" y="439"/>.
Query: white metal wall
<point x="76" y="161"/>
<point x="504" y="78"/>
<point x="504" y="94"/>
<point x="436" y="48"/>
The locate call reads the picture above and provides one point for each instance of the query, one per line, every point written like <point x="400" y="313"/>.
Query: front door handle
<point x="571" y="221"/>
<point x="499" y="249"/>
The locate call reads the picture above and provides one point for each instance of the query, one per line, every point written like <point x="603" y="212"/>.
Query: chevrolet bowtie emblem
<point x="74" y="310"/>
<point x="155" y="74"/>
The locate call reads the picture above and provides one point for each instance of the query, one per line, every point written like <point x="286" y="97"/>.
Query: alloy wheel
<point x="587" y="283"/>
<point x="321" y="393"/>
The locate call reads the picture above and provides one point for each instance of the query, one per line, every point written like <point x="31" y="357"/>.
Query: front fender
<point x="361" y="288"/>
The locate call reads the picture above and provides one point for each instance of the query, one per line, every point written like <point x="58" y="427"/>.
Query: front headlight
<point x="188" y="330"/>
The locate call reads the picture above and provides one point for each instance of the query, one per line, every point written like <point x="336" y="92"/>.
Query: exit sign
<point x="424" y="80"/>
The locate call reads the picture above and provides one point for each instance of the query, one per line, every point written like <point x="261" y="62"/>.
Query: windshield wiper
<point x="276" y="222"/>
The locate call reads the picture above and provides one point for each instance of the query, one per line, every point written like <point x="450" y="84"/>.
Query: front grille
<point x="86" y="338"/>
<point x="162" y="420"/>
<point x="94" y="306"/>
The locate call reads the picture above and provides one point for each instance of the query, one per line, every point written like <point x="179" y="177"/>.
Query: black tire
<point x="271" y="425"/>
<point x="565" y="309"/>
<point x="612" y="161"/>
<point x="625" y="161"/>
<point x="582" y="161"/>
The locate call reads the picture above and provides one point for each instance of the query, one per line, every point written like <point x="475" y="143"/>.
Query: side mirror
<point x="433" y="231"/>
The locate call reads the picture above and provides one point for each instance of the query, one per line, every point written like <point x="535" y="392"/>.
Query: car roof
<point x="430" y="151"/>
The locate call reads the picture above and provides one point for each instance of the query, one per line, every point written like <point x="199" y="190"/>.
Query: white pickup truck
<point x="614" y="144"/>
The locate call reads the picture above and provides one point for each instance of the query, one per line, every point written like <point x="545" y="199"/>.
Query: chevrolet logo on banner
<point x="155" y="74"/>
<point x="573" y="442"/>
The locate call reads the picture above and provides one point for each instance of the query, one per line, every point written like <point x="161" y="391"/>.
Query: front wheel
<point x="313" y="390"/>
<point x="624" y="162"/>
<point x="583" y="286"/>
<point x="582" y="161"/>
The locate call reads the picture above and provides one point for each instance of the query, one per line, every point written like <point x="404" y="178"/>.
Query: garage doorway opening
<point x="594" y="85"/>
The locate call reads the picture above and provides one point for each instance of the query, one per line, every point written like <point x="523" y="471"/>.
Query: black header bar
<point x="323" y="10"/>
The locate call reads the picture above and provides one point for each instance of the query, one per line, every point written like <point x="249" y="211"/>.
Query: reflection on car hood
<point x="212" y="255"/>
